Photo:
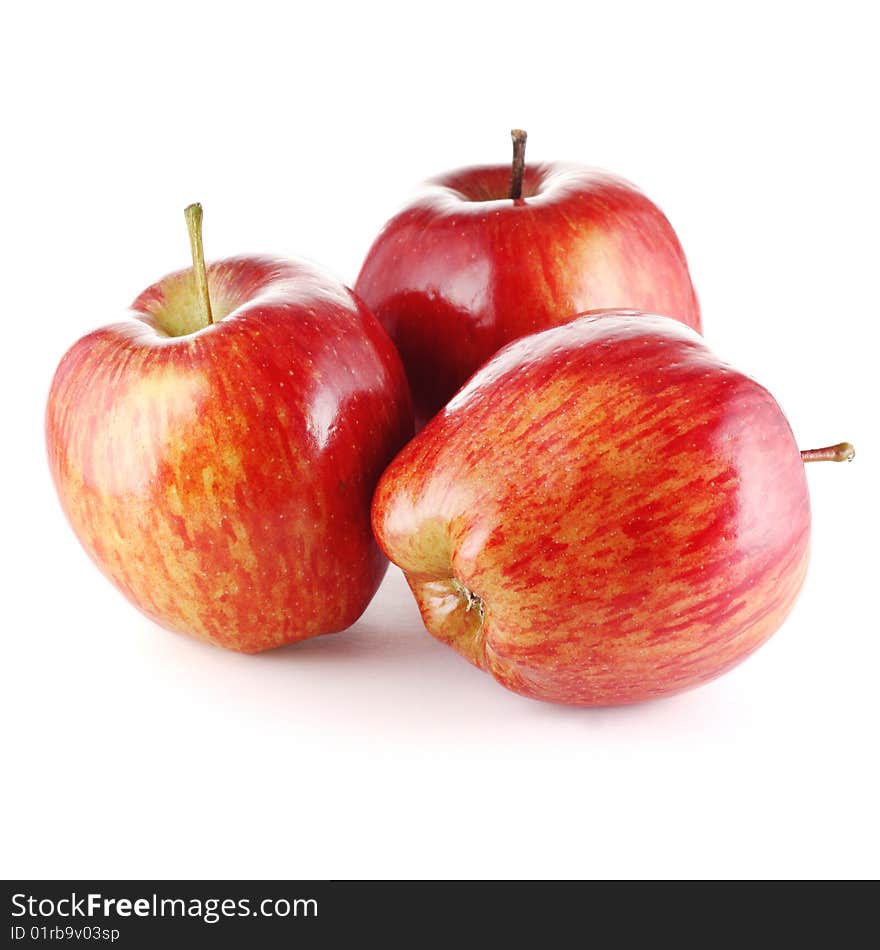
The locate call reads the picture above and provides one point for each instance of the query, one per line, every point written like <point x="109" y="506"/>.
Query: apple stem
<point x="518" y="167"/>
<point x="193" y="214"/>
<point x="842" y="452"/>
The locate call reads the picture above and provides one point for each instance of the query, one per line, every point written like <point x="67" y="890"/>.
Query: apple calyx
<point x="193" y="215"/>
<point x="471" y="600"/>
<point x="842" y="452"/>
<point x="518" y="165"/>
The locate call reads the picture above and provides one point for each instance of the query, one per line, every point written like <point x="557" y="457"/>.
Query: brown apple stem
<point x="842" y="452"/>
<point x="193" y="215"/>
<point x="518" y="167"/>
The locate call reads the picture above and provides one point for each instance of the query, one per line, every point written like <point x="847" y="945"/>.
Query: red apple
<point x="487" y="254"/>
<point x="605" y="513"/>
<point x="216" y="451"/>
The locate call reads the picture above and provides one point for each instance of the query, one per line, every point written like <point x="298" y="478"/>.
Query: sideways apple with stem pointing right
<point x="605" y="513"/>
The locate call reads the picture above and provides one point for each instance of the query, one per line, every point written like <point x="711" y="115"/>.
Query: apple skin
<point x="463" y="269"/>
<point x="222" y="479"/>
<point x="606" y="513"/>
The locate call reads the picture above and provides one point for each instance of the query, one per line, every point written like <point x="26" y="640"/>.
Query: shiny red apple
<point x="216" y="450"/>
<point x="487" y="254"/>
<point x="605" y="513"/>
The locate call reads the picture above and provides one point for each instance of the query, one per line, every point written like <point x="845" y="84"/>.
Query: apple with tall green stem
<point x="605" y="513"/>
<point x="486" y="254"/>
<point x="216" y="450"/>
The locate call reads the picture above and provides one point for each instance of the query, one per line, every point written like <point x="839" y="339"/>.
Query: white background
<point x="128" y="751"/>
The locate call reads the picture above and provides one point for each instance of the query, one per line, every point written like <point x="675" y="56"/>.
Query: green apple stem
<point x="518" y="167"/>
<point x="193" y="215"/>
<point x="842" y="452"/>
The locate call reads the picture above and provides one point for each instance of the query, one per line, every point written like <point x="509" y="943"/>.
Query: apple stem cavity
<point x="842" y="452"/>
<point x="518" y="166"/>
<point x="193" y="214"/>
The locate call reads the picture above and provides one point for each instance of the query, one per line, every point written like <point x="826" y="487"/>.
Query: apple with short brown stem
<point x="605" y="513"/>
<point x="216" y="451"/>
<point x="486" y="254"/>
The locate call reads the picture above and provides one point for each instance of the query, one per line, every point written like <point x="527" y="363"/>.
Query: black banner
<point x="266" y="914"/>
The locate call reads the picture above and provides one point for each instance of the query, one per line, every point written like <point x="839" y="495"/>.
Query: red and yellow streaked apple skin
<point x="463" y="270"/>
<point x="222" y="479"/>
<point x="631" y="512"/>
